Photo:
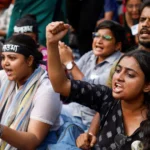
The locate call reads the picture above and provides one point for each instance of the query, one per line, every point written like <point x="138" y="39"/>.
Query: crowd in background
<point x="82" y="16"/>
<point x="74" y="74"/>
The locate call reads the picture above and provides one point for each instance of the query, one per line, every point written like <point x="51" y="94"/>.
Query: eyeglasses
<point x="132" y="6"/>
<point x="104" y="37"/>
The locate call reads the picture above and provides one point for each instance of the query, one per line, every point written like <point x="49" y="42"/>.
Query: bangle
<point x="91" y="133"/>
<point x="1" y="130"/>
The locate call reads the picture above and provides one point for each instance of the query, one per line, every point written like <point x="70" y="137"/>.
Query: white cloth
<point x="46" y="104"/>
<point x="5" y="18"/>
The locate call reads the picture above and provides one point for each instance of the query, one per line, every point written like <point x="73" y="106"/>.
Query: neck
<point x="134" y="105"/>
<point x="143" y="48"/>
<point x="24" y="79"/>
<point x="99" y="60"/>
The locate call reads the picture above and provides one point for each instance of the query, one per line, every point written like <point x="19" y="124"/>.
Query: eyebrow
<point x="144" y="17"/>
<point x="8" y="55"/>
<point x="128" y="69"/>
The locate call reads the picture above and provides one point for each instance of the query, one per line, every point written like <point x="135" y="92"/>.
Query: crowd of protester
<point x="75" y="74"/>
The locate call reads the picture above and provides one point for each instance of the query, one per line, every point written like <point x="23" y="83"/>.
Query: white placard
<point x="134" y="29"/>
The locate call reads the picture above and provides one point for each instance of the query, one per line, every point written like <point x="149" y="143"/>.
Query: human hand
<point x="99" y="21"/>
<point x="85" y="141"/>
<point x="65" y="52"/>
<point x="55" y="31"/>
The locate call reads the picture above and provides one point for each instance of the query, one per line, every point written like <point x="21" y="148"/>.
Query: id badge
<point x="93" y="76"/>
<point x="134" y="29"/>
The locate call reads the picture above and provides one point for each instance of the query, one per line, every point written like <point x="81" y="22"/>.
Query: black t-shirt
<point x="130" y="39"/>
<point x="112" y="134"/>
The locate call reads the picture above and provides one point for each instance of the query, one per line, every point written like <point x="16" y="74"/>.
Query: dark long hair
<point x="143" y="59"/>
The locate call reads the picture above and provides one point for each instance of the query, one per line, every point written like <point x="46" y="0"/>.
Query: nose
<point x="135" y="9"/>
<point x="99" y="39"/>
<point x="120" y="76"/>
<point x="5" y="62"/>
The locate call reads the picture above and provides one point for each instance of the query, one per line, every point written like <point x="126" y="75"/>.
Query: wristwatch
<point x="70" y="65"/>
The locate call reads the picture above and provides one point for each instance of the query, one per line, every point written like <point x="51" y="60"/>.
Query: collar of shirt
<point x="115" y="56"/>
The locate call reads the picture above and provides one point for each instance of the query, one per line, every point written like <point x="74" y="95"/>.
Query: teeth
<point x="145" y="32"/>
<point x="118" y="85"/>
<point x="118" y="89"/>
<point x="99" y="47"/>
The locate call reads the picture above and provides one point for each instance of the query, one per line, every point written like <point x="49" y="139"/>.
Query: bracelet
<point x="1" y="130"/>
<point x="91" y="133"/>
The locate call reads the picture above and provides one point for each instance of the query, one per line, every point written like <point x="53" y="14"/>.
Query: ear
<point x="118" y="46"/>
<point x="146" y="88"/>
<point x="30" y="60"/>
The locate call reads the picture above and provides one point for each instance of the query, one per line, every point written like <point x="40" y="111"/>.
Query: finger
<point x="54" y="27"/>
<point x="84" y="145"/>
<point x="69" y="48"/>
<point x="78" y="142"/>
<point x="59" y="42"/>
<point x="62" y="45"/>
<point x="93" y="141"/>
<point x="82" y="140"/>
<point x="51" y="26"/>
<point x="59" y="27"/>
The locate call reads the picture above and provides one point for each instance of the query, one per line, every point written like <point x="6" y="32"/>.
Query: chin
<point x="11" y="79"/>
<point x="117" y="96"/>
<point x="135" y="17"/>
<point x="145" y="43"/>
<point x="96" y="53"/>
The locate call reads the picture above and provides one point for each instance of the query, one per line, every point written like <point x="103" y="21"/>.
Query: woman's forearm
<point x="95" y="124"/>
<point x="20" y="140"/>
<point x="55" y="70"/>
<point x="76" y="73"/>
<point x="54" y="32"/>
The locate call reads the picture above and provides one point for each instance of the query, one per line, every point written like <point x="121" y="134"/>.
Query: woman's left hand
<point x="65" y="52"/>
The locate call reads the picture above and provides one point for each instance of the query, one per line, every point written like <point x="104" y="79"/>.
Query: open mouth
<point x="99" y="48"/>
<point x="144" y="31"/>
<point x="117" y="88"/>
<point x="8" y="71"/>
<point x="144" y="34"/>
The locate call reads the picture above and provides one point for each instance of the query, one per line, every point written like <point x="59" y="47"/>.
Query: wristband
<point x="91" y="133"/>
<point x="1" y="130"/>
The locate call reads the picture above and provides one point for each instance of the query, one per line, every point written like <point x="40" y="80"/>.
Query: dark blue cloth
<point x="67" y="139"/>
<point x="110" y="5"/>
